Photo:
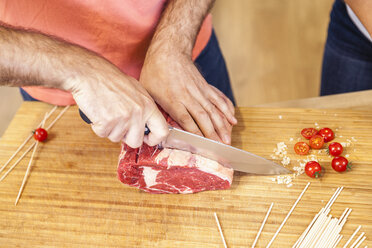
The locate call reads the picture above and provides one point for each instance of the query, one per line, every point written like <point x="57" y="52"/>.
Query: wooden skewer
<point x="303" y="235"/>
<point x="326" y="232"/>
<point x="343" y="215"/>
<point x="337" y="241"/>
<point x="352" y="236"/>
<point x="333" y="196"/>
<point x="357" y="240"/>
<point x="58" y="117"/>
<point x="262" y="225"/>
<point x="345" y="218"/>
<point x="314" y="231"/>
<point x="18" y="160"/>
<point x="25" y="153"/>
<point x="26" y="175"/>
<point x="317" y="231"/>
<point x="25" y="142"/>
<point x="29" y="164"/>
<point x="322" y="227"/>
<point x="332" y="238"/>
<point x="220" y="230"/>
<point x="336" y="195"/>
<point x="289" y="213"/>
<point x="332" y="235"/>
<point x="312" y="235"/>
<point x="360" y="242"/>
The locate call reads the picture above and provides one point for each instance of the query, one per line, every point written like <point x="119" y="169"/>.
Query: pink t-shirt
<point x="119" y="30"/>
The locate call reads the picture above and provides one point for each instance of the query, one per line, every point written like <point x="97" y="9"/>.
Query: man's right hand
<point x="118" y="106"/>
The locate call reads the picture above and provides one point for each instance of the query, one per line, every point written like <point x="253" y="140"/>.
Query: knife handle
<point x="86" y="119"/>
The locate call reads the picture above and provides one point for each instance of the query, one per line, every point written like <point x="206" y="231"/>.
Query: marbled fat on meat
<point x="171" y="170"/>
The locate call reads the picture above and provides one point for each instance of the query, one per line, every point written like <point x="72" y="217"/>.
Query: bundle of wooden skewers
<point x="322" y="232"/>
<point x="33" y="145"/>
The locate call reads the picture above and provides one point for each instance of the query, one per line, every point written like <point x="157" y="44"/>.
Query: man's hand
<point x="118" y="106"/>
<point x="174" y="82"/>
<point x="178" y="87"/>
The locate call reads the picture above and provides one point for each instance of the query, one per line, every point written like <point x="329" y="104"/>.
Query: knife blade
<point x="226" y="155"/>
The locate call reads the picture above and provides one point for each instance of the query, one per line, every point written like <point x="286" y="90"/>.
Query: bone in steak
<point x="171" y="170"/>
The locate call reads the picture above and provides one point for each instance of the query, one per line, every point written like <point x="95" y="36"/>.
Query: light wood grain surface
<point x="360" y="100"/>
<point x="73" y="198"/>
<point x="273" y="48"/>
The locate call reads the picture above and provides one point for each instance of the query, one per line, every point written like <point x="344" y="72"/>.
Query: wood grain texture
<point x="73" y="197"/>
<point x="360" y="100"/>
<point x="273" y="49"/>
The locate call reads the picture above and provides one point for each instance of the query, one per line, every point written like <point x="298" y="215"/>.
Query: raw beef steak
<point x="171" y="170"/>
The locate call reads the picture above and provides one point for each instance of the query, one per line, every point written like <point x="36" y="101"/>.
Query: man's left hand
<point x="178" y="87"/>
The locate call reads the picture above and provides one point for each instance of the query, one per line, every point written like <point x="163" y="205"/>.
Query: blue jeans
<point x="347" y="60"/>
<point x="211" y="65"/>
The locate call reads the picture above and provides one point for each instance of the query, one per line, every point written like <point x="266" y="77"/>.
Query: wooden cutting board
<point x="73" y="198"/>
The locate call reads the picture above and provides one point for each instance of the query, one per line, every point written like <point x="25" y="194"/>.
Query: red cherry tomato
<point x="327" y="133"/>
<point x="301" y="148"/>
<point x="316" y="142"/>
<point x="340" y="164"/>
<point x="313" y="169"/>
<point x="335" y="149"/>
<point x="40" y="134"/>
<point x="308" y="132"/>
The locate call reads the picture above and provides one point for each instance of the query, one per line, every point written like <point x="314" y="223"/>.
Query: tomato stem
<point x="349" y="166"/>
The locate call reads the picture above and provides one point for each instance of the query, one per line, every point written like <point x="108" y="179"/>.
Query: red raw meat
<point x="171" y="170"/>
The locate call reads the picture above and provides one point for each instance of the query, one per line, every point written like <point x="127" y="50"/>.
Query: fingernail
<point x="235" y="120"/>
<point x="226" y="139"/>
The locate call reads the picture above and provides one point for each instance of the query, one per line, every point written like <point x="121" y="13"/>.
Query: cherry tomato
<point x="340" y="164"/>
<point x="40" y="134"/>
<point x="327" y="133"/>
<point x="335" y="149"/>
<point x="316" y="142"/>
<point x="308" y="132"/>
<point x="313" y="169"/>
<point x="301" y="148"/>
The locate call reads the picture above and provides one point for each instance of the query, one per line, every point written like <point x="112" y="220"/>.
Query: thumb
<point x="158" y="128"/>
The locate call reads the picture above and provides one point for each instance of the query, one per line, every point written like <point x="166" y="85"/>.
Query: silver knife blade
<point x="226" y="155"/>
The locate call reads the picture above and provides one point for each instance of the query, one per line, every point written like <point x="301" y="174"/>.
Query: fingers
<point x="226" y="99"/>
<point x="222" y="126"/>
<point x="223" y="103"/>
<point x="211" y="125"/>
<point x="209" y="118"/>
<point x="118" y="132"/>
<point x="134" y="136"/>
<point x="180" y="114"/>
<point x="101" y="129"/>
<point x="158" y="129"/>
<point x="132" y="132"/>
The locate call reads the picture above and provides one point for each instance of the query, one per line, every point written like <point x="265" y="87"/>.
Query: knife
<point x="226" y="155"/>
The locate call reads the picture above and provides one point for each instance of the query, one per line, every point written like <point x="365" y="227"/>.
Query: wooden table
<point x="360" y="100"/>
<point x="73" y="197"/>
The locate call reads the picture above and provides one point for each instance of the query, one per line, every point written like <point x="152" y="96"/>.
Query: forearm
<point x="33" y="59"/>
<point x="363" y="10"/>
<point x="179" y="26"/>
<point x="118" y="106"/>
